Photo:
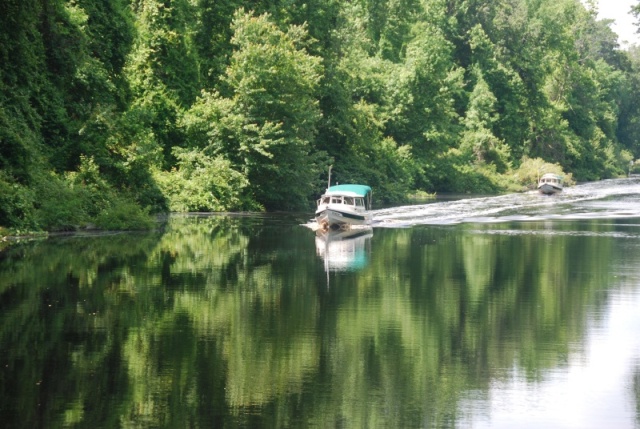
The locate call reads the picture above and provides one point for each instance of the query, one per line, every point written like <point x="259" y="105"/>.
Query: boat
<point x="550" y="184"/>
<point x="342" y="206"/>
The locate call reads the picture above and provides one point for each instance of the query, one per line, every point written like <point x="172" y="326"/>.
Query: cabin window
<point x="348" y="201"/>
<point x="336" y="200"/>
<point x="359" y="202"/>
<point x="326" y="200"/>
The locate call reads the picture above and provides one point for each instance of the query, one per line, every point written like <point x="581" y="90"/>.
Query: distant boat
<point x="342" y="206"/>
<point x="550" y="183"/>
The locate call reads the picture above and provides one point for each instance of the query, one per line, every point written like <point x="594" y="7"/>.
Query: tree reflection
<point x="227" y="321"/>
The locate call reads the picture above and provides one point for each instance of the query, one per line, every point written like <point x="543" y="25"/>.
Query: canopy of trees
<point x="111" y="110"/>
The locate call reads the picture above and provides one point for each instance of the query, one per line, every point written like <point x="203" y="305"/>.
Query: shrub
<point x="203" y="183"/>
<point x="477" y="179"/>
<point x="80" y="199"/>
<point x="16" y="203"/>
<point x="123" y="215"/>
<point x="531" y="169"/>
<point x="59" y="207"/>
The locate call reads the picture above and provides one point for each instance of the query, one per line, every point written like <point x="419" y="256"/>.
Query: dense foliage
<point x="232" y="105"/>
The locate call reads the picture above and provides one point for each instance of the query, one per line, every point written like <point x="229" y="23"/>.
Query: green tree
<point x="162" y="69"/>
<point x="635" y="11"/>
<point x="267" y="125"/>
<point x="388" y="91"/>
<point x="427" y="115"/>
<point x="628" y="131"/>
<point x="22" y="63"/>
<point x="201" y="183"/>
<point x="478" y="140"/>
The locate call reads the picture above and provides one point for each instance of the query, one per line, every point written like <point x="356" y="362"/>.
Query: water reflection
<point x="344" y="250"/>
<point x="227" y="321"/>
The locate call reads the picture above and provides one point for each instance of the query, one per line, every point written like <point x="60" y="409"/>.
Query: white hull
<point x="549" y="189"/>
<point x="338" y="216"/>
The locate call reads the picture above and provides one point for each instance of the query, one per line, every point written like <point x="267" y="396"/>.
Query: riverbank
<point x="9" y="237"/>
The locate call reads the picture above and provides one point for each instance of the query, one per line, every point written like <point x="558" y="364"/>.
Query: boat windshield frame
<point x="550" y="178"/>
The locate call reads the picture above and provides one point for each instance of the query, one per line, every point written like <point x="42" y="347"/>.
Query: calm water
<point x="513" y="311"/>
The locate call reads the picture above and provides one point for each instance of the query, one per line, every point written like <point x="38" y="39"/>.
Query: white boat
<point x="550" y="183"/>
<point x="342" y="206"/>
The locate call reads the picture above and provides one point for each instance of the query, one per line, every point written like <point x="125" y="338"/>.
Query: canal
<point x="519" y="310"/>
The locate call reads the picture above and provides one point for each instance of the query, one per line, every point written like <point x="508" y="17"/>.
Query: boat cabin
<point x="341" y="199"/>
<point x="551" y="179"/>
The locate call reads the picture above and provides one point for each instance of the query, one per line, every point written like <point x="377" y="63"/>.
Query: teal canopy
<point x="361" y="190"/>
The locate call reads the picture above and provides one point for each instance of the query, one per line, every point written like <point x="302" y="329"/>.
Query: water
<point x="511" y="311"/>
<point x="598" y="200"/>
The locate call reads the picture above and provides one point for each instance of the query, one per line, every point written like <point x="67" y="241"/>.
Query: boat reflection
<point x="344" y="250"/>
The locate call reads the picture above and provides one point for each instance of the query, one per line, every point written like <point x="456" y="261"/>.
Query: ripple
<point x="607" y="199"/>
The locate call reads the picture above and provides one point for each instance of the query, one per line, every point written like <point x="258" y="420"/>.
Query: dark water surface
<point x="512" y="311"/>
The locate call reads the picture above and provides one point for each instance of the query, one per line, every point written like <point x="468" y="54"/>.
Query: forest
<point x="113" y="111"/>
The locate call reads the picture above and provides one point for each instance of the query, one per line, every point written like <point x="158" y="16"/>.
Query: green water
<point x="253" y="321"/>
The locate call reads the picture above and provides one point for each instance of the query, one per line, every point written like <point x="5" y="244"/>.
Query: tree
<point x="478" y="140"/>
<point x="267" y="125"/>
<point x="162" y="69"/>
<point x="628" y="131"/>
<point x="201" y="183"/>
<point x="635" y="11"/>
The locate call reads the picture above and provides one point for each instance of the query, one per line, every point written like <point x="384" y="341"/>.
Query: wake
<point x="615" y="198"/>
